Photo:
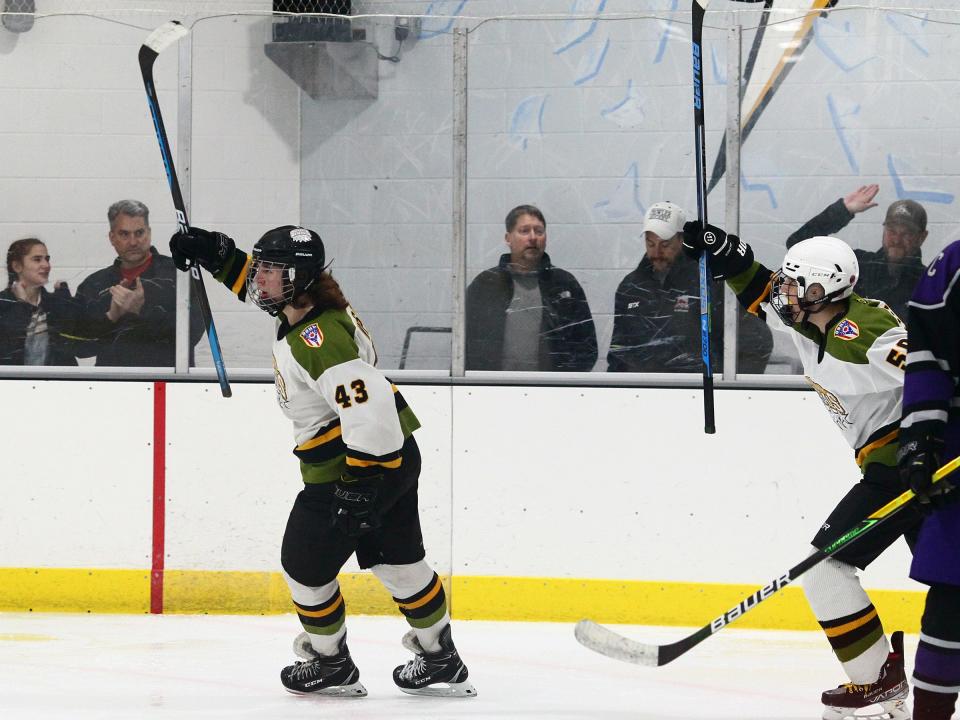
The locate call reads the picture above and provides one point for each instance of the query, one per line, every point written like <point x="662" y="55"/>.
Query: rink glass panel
<point x="587" y="117"/>
<point x="76" y="136"/>
<point x="870" y="102"/>
<point x="590" y="120"/>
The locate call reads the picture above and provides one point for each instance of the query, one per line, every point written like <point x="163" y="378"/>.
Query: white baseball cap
<point x="664" y="219"/>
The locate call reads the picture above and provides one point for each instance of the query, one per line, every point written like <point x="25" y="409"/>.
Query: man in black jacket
<point x="526" y="314"/>
<point x="890" y="273"/>
<point x="130" y="306"/>
<point x="656" y="323"/>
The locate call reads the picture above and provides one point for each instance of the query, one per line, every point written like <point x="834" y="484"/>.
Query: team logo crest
<point x="837" y="411"/>
<point x="312" y="336"/>
<point x="846" y="330"/>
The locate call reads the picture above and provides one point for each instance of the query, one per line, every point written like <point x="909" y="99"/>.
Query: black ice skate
<point x="885" y="698"/>
<point x="322" y="674"/>
<point x="441" y="674"/>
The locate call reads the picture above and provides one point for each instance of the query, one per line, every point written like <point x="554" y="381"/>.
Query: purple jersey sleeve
<point x="933" y="361"/>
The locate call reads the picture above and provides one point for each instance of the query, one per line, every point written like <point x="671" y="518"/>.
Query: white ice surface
<point x="132" y="666"/>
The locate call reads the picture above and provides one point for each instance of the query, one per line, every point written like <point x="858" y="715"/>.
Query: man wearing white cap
<point x="656" y="324"/>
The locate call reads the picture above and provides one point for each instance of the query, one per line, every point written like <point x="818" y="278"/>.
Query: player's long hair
<point x="324" y="294"/>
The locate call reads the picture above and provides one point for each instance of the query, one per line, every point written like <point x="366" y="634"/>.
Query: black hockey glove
<point x="729" y="255"/>
<point x="355" y="510"/>
<point x="919" y="460"/>
<point x="210" y="249"/>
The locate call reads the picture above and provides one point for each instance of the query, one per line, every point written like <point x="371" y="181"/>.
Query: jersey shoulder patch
<point x="312" y="335"/>
<point x="322" y="342"/>
<point x="847" y="330"/>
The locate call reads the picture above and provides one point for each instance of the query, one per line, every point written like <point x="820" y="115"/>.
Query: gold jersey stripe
<point x="755" y="305"/>
<point x="242" y="277"/>
<point x="392" y="464"/>
<point x="329" y="435"/>
<point x="320" y="613"/>
<point x="885" y="440"/>
<point x="425" y="599"/>
<point x="852" y="625"/>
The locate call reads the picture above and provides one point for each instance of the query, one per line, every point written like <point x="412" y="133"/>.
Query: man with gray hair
<point x="892" y="272"/>
<point x="130" y="306"/>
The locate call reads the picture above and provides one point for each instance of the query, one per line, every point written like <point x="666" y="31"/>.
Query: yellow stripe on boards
<point x="74" y="590"/>
<point x="470" y="597"/>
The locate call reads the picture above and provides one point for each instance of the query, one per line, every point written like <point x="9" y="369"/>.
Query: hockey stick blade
<point x="165" y="36"/>
<point x="605" y="641"/>
<point x="160" y="39"/>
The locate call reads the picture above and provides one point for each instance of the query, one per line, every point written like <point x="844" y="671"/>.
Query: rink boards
<point x="537" y="503"/>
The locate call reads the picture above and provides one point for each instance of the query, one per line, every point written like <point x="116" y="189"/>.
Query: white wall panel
<point x="77" y="474"/>
<point x="232" y="478"/>
<point x="619" y="483"/>
<point x="543" y="482"/>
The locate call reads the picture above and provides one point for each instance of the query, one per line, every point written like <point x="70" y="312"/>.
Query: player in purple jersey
<point x="930" y="436"/>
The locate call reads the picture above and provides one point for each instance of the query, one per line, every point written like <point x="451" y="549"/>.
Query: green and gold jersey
<point x="347" y="417"/>
<point x="856" y="367"/>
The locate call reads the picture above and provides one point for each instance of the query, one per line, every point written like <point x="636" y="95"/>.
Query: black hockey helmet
<point x="295" y="251"/>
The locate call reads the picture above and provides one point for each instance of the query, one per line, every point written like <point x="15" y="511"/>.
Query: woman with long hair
<point x="35" y="324"/>
<point x="359" y="462"/>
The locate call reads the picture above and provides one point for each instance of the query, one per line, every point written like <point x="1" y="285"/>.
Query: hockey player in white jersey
<point x="359" y="462"/>
<point x="853" y="352"/>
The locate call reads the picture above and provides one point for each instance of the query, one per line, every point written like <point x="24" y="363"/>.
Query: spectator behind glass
<point x="656" y="322"/>
<point x="36" y="326"/>
<point x="526" y="314"/>
<point x="890" y="273"/>
<point x="131" y="305"/>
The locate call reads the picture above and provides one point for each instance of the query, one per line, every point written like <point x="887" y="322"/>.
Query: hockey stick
<point x="607" y="642"/>
<point x="161" y="38"/>
<point x="700" y="152"/>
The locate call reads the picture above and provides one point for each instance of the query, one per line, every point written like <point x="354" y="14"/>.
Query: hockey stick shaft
<point x="161" y="38"/>
<point x="699" y="8"/>
<point x="607" y="642"/>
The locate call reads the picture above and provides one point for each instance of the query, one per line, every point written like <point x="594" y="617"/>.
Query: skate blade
<point x="889" y="710"/>
<point x="462" y="689"/>
<point x="356" y="690"/>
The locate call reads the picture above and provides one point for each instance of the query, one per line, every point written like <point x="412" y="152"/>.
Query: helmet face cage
<point x="792" y="299"/>
<point x="269" y="303"/>
<point x="296" y="254"/>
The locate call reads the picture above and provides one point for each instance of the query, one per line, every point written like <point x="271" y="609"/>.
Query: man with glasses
<point x="890" y="273"/>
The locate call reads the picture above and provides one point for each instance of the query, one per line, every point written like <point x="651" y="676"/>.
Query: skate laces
<point x="853" y="687"/>
<point x="304" y="669"/>
<point x="413" y="668"/>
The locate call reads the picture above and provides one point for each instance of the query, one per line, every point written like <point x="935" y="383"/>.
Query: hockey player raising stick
<point x="930" y="433"/>
<point x="359" y="461"/>
<point x="853" y="352"/>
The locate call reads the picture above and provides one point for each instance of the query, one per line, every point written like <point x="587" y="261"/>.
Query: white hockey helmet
<point x="823" y="269"/>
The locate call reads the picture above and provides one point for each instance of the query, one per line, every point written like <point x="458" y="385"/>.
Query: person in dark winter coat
<point x="526" y="314"/>
<point x="36" y="326"/>
<point x="891" y="273"/>
<point x="656" y="324"/>
<point x="130" y="306"/>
